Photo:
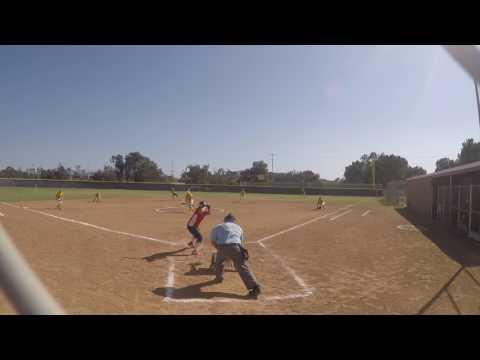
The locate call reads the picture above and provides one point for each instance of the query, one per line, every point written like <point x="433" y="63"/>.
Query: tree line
<point x="58" y="173"/>
<point x="139" y="168"/>
<point x="131" y="167"/>
<point x="469" y="153"/>
<point x="258" y="173"/>
<point x="387" y="168"/>
<point x="393" y="167"/>
<point x="135" y="167"/>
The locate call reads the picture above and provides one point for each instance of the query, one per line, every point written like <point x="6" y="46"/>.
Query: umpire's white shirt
<point x="227" y="233"/>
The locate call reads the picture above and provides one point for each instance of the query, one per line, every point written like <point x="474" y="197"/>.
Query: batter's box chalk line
<point x="170" y="288"/>
<point x="306" y="290"/>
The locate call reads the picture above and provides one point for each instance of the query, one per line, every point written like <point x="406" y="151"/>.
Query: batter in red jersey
<point x="193" y="224"/>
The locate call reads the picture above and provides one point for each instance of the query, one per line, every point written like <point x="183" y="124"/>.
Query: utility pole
<point x="272" y="155"/>
<point x="171" y="173"/>
<point x="373" y="173"/>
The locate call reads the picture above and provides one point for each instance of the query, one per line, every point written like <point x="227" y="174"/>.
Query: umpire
<point x="227" y="238"/>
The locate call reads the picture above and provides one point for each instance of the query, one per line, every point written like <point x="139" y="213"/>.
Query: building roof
<point x="474" y="166"/>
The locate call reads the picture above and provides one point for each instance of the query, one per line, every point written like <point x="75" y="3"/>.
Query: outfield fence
<point x="90" y="184"/>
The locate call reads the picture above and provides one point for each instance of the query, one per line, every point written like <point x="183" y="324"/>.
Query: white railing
<point x="21" y="285"/>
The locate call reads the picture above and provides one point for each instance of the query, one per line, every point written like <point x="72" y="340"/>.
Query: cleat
<point x="254" y="293"/>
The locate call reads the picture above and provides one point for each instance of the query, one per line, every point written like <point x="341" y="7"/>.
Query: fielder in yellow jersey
<point x="96" y="197"/>
<point x="320" y="203"/>
<point x="243" y="194"/>
<point x="59" y="196"/>
<point x="189" y="199"/>
<point x="174" y="193"/>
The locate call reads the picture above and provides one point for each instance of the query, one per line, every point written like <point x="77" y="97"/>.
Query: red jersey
<point x="198" y="216"/>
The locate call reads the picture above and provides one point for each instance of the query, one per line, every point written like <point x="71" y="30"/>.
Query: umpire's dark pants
<point x="234" y="253"/>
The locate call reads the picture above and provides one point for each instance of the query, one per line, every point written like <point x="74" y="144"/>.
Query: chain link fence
<point x="395" y="193"/>
<point x="459" y="206"/>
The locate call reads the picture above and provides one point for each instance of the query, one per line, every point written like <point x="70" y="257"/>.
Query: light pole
<point x="272" y="155"/>
<point x="372" y="161"/>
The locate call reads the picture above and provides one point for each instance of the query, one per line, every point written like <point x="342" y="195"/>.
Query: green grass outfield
<point x="14" y="194"/>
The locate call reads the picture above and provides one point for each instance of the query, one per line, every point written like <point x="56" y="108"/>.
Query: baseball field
<point x="128" y="255"/>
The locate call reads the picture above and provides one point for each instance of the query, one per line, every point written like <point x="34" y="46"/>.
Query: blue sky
<point x="316" y="107"/>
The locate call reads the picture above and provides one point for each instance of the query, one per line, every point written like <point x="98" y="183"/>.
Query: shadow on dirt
<point x="195" y="292"/>
<point x="194" y="271"/>
<point x="456" y="246"/>
<point x="199" y="271"/>
<point x="163" y="255"/>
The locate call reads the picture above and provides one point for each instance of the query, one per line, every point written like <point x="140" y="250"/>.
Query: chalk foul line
<point x="167" y="207"/>
<point x="302" y="224"/>
<point x="94" y="226"/>
<point x="340" y="215"/>
<point x="12" y="205"/>
<point x="366" y="212"/>
<point x="306" y="290"/>
<point x="162" y="210"/>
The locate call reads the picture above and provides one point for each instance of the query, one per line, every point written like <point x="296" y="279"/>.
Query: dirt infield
<point x="128" y="256"/>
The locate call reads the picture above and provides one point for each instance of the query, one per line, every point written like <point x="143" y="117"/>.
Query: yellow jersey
<point x="188" y="197"/>
<point x="59" y="194"/>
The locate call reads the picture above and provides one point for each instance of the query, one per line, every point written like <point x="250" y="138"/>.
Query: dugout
<point x="450" y="196"/>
